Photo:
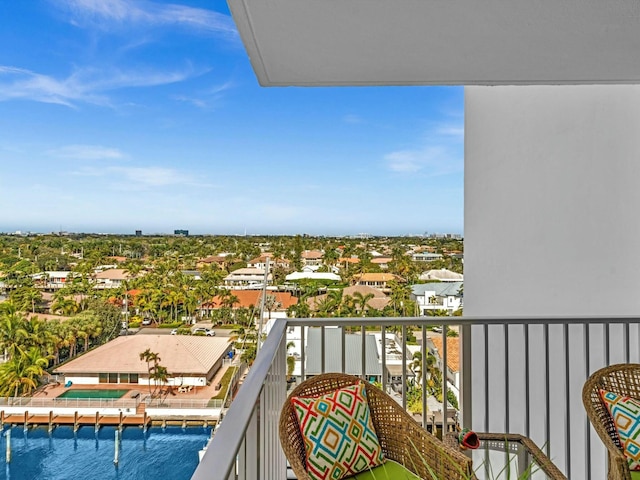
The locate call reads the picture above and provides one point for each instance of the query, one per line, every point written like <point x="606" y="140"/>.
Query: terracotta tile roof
<point x="348" y="260"/>
<point x="378" y="277"/>
<point x="113" y="274"/>
<point x="263" y="258"/>
<point x="248" y="298"/>
<point x="379" y="300"/>
<point x="379" y="260"/>
<point x="214" y="259"/>
<point x="118" y="259"/>
<point x="453" y="350"/>
<point x="181" y="354"/>
<point x="312" y="254"/>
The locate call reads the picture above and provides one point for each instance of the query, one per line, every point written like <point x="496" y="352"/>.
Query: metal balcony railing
<point x="517" y="375"/>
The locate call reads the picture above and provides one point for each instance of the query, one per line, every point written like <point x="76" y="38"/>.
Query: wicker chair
<point x="402" y="439"/>
<point x="623" y="379"/>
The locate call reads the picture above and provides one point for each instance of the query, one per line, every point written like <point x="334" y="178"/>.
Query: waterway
<point x="170" y="453"/>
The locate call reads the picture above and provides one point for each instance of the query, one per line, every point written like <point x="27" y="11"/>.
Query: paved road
<point x="220" y="332"/>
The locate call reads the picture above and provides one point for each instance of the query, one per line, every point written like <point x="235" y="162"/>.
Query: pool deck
<point x="198" y="392"/>
<point x="135" y="394"/>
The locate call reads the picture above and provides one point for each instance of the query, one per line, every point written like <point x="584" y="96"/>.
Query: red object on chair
<point x="468" y="439"/>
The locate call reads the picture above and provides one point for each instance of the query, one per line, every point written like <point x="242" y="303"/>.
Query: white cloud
<point x="440" y="153"/>
<point x="352" y="118"/>
<point x="100" y="12"/>
<point x="130" y="178"/>
<point x="83" y="86"/>
<point x="452" y="131"/>
<point x="88" y="152"/>
<point x="208" y="99"/>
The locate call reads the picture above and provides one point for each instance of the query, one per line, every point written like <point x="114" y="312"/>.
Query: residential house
<point x="249" y="299"/>
<point x="190" y="360"/>
<point x="51" y="279"/>
<point x="378" y="280"/>
<point x="434" y="344"/>
<point x="312" y="257"/>
<point x="394" y="359"/>
<point x="221" y="261"/>
<point x="425" y="256"/>
<point x="247" y="277"/>
<point x="112" y="278"/>
<point x="261" y="262"/>
<point x="437" y="296"/>
<point x="311" y="275"/>
<point x="441" y="275"/>
<point x="382" y="261"/>
<point x="378" y="301"/>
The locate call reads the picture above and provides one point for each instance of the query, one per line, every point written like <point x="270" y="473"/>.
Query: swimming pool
<point x="79" y="393"/>
<point x="170" y="453"/>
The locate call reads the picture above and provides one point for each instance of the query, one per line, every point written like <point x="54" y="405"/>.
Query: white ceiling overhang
<point x="443" y="42"/>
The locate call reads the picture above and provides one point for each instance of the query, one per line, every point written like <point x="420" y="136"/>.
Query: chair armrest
<point x="618" y="465"/>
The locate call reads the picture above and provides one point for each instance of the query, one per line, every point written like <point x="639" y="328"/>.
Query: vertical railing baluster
<point x="506" y="376"/>
<point x="322" y="352"/>
<point x="567" y="404"/>
<point x="303" y="354"/>
<point x="423" y="375"/>
<point x="445" y="375"/>
<point x="404" y="367"/>
<point x="627" y="354"/>
<point x="587" y="372"/>
<point x="486" y="377"/>
<point x="383" y="336"/>
<point x="527" y="389"/>
<point x="363" y="351"/>
<point x="606" y="345"/>
<point x="343" y="350"/>
<point x="547" y="404"/>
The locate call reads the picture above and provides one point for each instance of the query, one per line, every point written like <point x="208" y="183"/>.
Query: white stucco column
<point x="552" y="228"/>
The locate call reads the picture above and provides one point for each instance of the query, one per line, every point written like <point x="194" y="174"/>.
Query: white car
<point x="206" y="331"/>
<point x="146" y="321"/>
<point x="174" y="331"/>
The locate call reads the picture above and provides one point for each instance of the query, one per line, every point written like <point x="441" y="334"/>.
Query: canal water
<point x="169" y="454"/>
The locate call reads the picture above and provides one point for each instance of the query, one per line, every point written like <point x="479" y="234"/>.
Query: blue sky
<point x="121" y="115"/>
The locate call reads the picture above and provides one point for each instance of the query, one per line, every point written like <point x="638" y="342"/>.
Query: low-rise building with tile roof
<point x="378" y="280"/>
<point x="190" y="360"/>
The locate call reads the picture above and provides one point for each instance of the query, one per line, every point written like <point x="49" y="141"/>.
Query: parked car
<point x="204" y="331"/>
<point x="174" y="331"/>
<point x="146" y="321"/>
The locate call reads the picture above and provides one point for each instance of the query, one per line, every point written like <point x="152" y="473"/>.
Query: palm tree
<point x="271" y="303"/>
<point x="160" y="376"/>
<point x="361" y="301"/>
<point x="64" y="306"/>
<point x="21" y="374"/>
<point x="13" y="333"/>
<point x="149" y="356"/>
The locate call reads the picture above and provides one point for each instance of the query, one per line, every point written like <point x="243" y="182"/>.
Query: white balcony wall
<point x="552" y="190"/>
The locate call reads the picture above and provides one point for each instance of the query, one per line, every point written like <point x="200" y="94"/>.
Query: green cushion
<point x="635" y="475"/>
<point x="391" y="470"/>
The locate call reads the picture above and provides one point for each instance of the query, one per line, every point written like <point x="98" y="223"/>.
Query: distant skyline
<point x="118" y="116"/>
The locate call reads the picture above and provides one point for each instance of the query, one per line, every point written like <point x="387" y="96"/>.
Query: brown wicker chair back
<point x="402" y="439"/>
<point x="623" y="379"/>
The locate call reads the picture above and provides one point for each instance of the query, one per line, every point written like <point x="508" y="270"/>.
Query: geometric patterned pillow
<point x="339" y="438"/>
<point x="625" y="412"/>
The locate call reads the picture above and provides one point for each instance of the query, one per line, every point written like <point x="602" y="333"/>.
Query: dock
<point x="52" y="420"/>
